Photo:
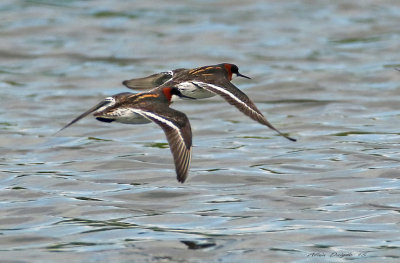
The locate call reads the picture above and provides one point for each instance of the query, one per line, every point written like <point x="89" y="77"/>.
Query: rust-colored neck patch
<point x="228" y="68"/>
<point x="167" y="93"/>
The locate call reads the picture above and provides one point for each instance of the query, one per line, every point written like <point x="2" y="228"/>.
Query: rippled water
<point x="323" y="71"/>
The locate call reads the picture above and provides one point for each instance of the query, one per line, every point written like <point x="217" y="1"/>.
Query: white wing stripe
<point x="204" y="85"/>
<point x="157" y="117"/>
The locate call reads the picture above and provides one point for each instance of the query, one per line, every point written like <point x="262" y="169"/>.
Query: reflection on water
<point x="322" y="72"/>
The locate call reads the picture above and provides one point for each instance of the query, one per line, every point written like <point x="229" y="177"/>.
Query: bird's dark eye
<point x="235" y="69"/>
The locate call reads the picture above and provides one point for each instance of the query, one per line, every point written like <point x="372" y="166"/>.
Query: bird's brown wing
<point x="177" y="129"/>
<point x="107" y="101"/>
<point x="151" y="81"/>
<point x="237" y="98"/>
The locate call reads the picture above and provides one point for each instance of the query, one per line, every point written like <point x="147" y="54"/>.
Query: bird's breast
<point x="191" y="90"/>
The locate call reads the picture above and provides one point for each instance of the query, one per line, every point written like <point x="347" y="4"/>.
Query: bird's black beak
<point x="243" y="76"/>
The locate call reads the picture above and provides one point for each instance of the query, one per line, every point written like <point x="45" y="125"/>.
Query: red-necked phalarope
<point x="205" y="82"/>
<point x="148" y="107"/>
